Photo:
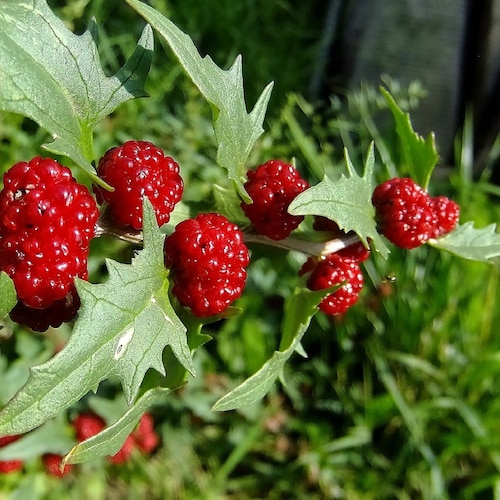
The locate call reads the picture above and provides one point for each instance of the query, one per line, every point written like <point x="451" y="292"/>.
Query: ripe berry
<point x="447" y="212"/>
<point x="208" y="260"/>
<point x="51" y="464"/>
<point x="137" y="169"/>
<point x="145" y="435"/>
<point x="272" y="186"/>
<point x="356" y="252"/>
<point x="61" y="311"/>
<point x="87" y="425"/>
<point x="7" y="466"/>
<point x="405" y="212"/>
<point x="47" y="221"/>
<point x="331" y="271"/>
<point x="124" y="452"/>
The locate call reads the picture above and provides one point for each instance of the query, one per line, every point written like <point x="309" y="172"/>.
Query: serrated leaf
<point x="420" y="155"/>
<point x="8" y="297"/>
<point x="110" y="440"/>
<point x="122" y="330"/>
<point x="470" y="243"/>
<point x="347" y="201"/>
<point x="54" y="77"/>
<point x="301" y="307"/>
<point x="236" y="130"/>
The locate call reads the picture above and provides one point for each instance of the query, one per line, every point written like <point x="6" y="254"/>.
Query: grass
<point x="397" y="399"/>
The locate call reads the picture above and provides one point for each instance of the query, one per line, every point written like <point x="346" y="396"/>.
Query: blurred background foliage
<point x="399" y="398"/>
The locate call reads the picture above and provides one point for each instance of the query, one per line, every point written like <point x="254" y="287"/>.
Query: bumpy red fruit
<point x="87" y="425"/>
<point x="145" y="435"/>
<point x="208" y="260"/>
<point x="47" y="221"/>
<point x="137" y="169"/>
<point x="405" y="212"/>
<point x="272" y="186"/>
<point x="331" y="271"/>
<point x="447" y="213"/>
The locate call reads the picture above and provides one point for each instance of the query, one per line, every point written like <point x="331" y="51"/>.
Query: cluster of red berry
<point x="144" y="438"/>
<point x="47" y="221"/>
<point x="408" y="216"/>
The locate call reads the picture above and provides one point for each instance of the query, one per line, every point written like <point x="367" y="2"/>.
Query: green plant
<point x="131" y="330"/>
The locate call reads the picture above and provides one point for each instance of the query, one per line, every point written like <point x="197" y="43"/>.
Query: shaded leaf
<point x="8" y="297"/>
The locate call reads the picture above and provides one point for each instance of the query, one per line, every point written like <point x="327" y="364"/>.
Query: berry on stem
<point x="330" y="271"/>
<point x="208" y="259"/>
<point x="447" y="213"/>
<point x="137" y="169"/>
<point x="47" y="221"/>
<point x="405" y="212"/>
<point x="272" y="186"/>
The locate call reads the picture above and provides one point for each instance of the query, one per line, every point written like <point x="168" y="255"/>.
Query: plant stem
<point x="308" y="247"/>
<point x="313" y="248"/>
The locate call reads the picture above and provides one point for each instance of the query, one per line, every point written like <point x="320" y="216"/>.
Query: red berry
<point x="47" y="221"/>
<point x="272" y="186"/>
<point x="51" y="463"/>
<point x="7" y="466"/>
<point x="356" y="252"/>
<point x="145" y="436"/>
<point x="447" y="212"/>
<point x="137" y="169"/>
<point x="405" y="212"/>
<point x="331" y="271"/>
<point x="87" y="425"/>
<point x="208" y="260"/>
<point x="61" y="311"/>
<point x="124" y="452"/>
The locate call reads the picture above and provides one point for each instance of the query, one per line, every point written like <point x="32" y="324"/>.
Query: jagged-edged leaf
<point x="470" y="243"/>
<point x="300" y="308"/>
<point x="347" y="201"/>
<point x="110" y="440"/>
<point x="54" y="77"/>
<point x="420" y="155"/>
<point x="236" y="130"/>
<point x="8" y="296"/>
<point x="122" y="330"/>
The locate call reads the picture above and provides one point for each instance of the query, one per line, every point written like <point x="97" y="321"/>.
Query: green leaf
<point x="301" y="307"/>
<point x="51" y="437"/>
<point x="54" y="77"/>
<point x="8" y="297"/>
<point x="470" y="243"/>
<point x="236" y="131"/>
<point x="347" y="201"/>
<point x="110" y="440"/>
<point x="122" y="330"/>
<point x="419" y="154"/>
